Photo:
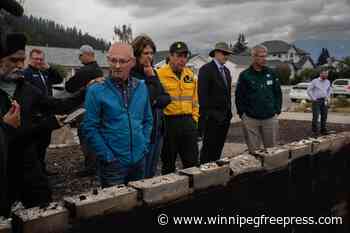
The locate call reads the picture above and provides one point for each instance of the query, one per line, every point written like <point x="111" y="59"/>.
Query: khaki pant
<point x="258" y="132"/>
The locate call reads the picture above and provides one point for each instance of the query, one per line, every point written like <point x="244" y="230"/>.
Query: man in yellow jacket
<point x="181" y="115"/>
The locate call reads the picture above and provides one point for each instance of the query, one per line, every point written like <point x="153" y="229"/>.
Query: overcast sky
<point x="201" y="23"/>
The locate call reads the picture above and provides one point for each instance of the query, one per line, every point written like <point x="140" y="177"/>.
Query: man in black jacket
<point x="214" y="92"/>
<point x="27" y="182"/>
<point x="90" y="71"/>
<point x="41" y="75"/>
<point x="9" y="119"/>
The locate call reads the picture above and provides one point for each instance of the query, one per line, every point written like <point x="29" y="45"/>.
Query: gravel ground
<point x="69" y="160"/>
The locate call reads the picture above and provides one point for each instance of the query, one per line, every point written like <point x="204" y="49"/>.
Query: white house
<point x="282" y="52"/>
<point x="69" y="58"/>
<point x="198" y="60"/>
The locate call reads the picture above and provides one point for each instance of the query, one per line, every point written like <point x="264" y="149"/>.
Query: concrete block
<point x="163" y="189"/>
<point x="5" y="225"/>
<point x="244" y="163"/>
<point x="274" y="158"/>
<point x="346" y="134"/>
<point x="300" y="148"/>
<point x="338" y="141"/>
<point x="103" y="201"/>
<point x="207" y="175"/>
<point x="53" y="219"/>
<point x="321" y="144"/>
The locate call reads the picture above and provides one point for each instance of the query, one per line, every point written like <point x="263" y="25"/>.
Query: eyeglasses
<point x="121" y="62"/>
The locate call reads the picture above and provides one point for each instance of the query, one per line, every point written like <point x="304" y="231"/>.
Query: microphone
<point x="12" y="7"/>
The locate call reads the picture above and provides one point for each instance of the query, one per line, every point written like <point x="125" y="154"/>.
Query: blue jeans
<point x="319" y="108"/>
<point x="114" y="173"/>
<point x="153" y="156"/>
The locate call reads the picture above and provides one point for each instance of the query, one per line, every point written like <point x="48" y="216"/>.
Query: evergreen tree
<point x="43" y="32"/>
<point x="322" y="59"/>
<point x="241" y="44"/>
<point x="123" y="34"/>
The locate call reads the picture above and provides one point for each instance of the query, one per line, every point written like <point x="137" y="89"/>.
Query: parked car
<point x="299" y="92"/>
<point x="341" y="87"/>
<point x="59" y="91"/>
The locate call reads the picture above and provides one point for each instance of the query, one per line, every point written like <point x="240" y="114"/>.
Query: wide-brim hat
<point x="221" y="46"/>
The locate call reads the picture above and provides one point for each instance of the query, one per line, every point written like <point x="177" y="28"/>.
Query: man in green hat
<point x="214" y="92"/>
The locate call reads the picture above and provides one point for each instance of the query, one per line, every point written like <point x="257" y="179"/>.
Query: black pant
<point x="27" y="180"/>
<point x="214" y="135"/>
<point x="4" y="203"/>
<point x="319" y="108"/>
<point x="42" y="144"/>
<point x="180" y="138"/>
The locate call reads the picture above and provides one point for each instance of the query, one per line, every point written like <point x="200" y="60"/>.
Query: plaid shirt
<point x="126" y="89"/>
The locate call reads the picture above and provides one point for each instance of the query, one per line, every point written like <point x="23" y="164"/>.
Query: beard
<point x="12" y="77"/>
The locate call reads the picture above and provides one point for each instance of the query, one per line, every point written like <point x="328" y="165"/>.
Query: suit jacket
<point x="51" y="77"/>
<point x="214" y="95"/>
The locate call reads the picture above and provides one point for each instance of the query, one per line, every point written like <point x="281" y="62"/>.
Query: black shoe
<point x="315" y="134"/>
<point x="325" y="132"/>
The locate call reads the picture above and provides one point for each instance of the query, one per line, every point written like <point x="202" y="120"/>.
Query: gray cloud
<point x="201" y="23"/>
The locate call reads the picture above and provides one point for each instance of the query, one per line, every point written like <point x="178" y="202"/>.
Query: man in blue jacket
<point x="118" y="120"/>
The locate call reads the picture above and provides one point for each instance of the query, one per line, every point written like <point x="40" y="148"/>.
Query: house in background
<point x="239" y="63"/>
<point x="281" y="52"/>
<point x="195" y="61"/>
<point x="69" y="58"/>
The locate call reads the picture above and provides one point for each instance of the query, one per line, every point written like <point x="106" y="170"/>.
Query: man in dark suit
<point x="42" y="76"/>
<point x="214" y="91"/>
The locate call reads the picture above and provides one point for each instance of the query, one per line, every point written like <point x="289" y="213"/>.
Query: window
<point x="341" y="82"/>
<point x="300" y="88"/>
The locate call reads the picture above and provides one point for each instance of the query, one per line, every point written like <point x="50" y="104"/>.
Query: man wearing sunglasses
<point x="90" y="71"/>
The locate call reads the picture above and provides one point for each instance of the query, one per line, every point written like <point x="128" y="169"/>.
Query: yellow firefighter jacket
<point x="183" y="92"/>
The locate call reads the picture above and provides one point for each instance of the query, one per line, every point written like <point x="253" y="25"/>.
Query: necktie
<point x="43" y="80"/>
<point x="223" y="75"/>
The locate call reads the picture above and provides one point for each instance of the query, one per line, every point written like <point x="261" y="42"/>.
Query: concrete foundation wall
<point x="306" y="178"/>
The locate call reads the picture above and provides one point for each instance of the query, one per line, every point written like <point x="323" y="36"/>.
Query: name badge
<point x="269" y="82"/>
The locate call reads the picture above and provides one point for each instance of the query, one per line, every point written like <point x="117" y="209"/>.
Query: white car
<point x="299" y="92"/>
<point x="341" y="87"/>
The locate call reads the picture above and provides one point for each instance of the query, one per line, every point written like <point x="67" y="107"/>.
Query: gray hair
<point x="258" y="47"/>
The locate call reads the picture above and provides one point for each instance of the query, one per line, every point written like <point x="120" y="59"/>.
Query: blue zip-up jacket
<point x="114" y="130"/>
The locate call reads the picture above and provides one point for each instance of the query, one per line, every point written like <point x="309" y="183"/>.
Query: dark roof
<point x="302" y="61"/>
<point x="275" y="63"/>
<point x="161" y="56"/>
<point x="240" y="59"/>
<point x="277" y="46"/>
<point x="67" y="57"/>
<point x="301" y="51"/>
